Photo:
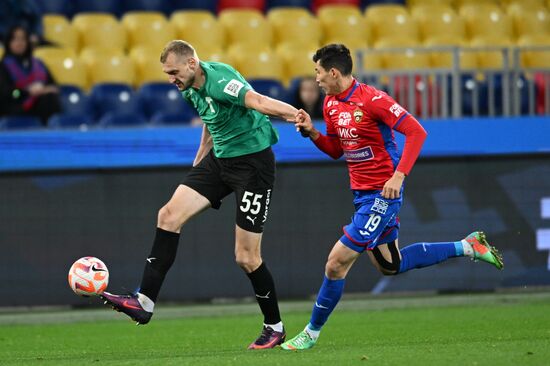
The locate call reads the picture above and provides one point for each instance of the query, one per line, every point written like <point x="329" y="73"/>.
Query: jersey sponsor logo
<point x="358" y="155"/>
<point x="233" y="87"/>
<point x="380" y="206"/>
<point x="357" y="115"/>
<point x="344" y="118"/>
<point x="347" y="133"/>
<point x="376" y="97"/>
<point x="396" y="109"/>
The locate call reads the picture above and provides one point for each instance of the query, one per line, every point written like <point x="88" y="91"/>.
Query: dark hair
<point x="10" y="35"/>
<point x="335" y="56"/>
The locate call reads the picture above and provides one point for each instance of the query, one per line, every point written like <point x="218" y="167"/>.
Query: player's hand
<point x="392" y="188"/>
<point x="303" y="123"/>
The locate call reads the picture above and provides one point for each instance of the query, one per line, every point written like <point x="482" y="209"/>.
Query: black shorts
<point x="250" y="176"/>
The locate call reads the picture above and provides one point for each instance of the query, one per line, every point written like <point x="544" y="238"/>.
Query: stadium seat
<point x="488" y="58"/>
<point x="272" y="4"/>
<point x="19" y="123"/>
<point x="256" y="62"/>
<point x="171" y="119"/>
<point x="147" y="65"/>
<point x="1" y="51"/>
<point x="390" y="21"/>
<point x="47" y="52"/>
<point x="412" y="3"/>
<point x="460" y="3"/>
<point x="59" y="31"/>
<point x="98" y="6"/>
<point x="148" y="28"/>
<point x="318" y="4"/>
<point x="486" y="20"/>
<point x="100" y="30"/>
<point x="209" y="5"/>
<point x="112" y="97"/>
<point x="241" y="4"/>
<point x="442" y="58"/>
<point x="73" y="121"/>
<point x="121" y="120"/>
<point x="163" y="6"/>
<point x="353" y="44"/>
<point x="108" y="66"/>
<point x="536" y="58"/>
<point x="215" y="54"/>
<point x="246" y="26"/>
<point x="436" y="20"/>
<point x="293" y="24"/>
<point x="198" y="27"/>
<point x="74" y="101"/>
<point x="529" y="21"/>
<point x="59" y="7"/>
<point x="271" y="88"/>
<point x="408" y="59"/>
<point x="163" y="97"/>
<point x="343" y="21"/>
<point x="68" y="71"/>
<point x="297" y="60"/>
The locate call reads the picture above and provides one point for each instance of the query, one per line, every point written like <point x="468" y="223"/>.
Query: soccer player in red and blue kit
<point x="360" y="121"/>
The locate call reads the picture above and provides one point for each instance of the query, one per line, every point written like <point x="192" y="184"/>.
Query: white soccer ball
<point x="88" y="276"/>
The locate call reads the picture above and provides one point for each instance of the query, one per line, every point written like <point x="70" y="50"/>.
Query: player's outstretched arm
<point x="270" y="106"/>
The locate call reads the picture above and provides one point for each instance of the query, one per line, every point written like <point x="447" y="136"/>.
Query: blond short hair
<point x="179" y="48"/>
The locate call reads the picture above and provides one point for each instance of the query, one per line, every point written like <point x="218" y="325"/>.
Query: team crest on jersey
<point x="358" y="115"/>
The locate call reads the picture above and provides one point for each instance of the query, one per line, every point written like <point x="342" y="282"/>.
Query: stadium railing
<point x="508" y="89"/>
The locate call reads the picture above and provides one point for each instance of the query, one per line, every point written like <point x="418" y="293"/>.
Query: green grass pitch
<point x="490" y="329"/>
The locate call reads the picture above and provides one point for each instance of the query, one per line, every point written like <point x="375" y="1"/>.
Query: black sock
<point x="264" y="288"/>
<point x="159" y="262"/>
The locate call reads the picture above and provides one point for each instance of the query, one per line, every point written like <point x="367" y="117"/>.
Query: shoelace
<point x="302" y="339"/>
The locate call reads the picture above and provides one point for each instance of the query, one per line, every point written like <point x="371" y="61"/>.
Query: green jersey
<point x="235" y="129"/>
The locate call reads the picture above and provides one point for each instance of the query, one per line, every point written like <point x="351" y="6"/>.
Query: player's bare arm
<point x="270" y="106"/>
<point x="205" y="145"/>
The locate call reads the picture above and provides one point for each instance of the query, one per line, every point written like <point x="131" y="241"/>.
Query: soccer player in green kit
<point x="234" y="156"/>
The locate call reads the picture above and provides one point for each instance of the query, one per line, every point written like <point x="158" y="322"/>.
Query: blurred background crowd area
<point x="439" y="58"/>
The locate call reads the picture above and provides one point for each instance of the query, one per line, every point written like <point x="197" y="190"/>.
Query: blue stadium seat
<point x="121" y="119"/>
<point x="61" y="7"/>
<point x="79" y="121"/>
<point x="74" y="101"/>
<point x="19" y="123"/>
<point x="299" y="3"/>
<point x="102" y="6"/>
<point x="269" y="87"/>
<point x="210" y="5"/>
<point x="114" y="98"/>
<point x="164" y="6"/>
<point x="169" y="119"/>
<point x="164" y="97"/>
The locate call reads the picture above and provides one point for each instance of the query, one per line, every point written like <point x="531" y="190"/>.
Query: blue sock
<point x="329" y="295"/>
<point x="426" y="254"/>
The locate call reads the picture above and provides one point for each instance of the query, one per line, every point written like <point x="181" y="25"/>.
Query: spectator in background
<point x="26" y="85"/>
<point x="25" y="13"/>
<point x="309" y="98"/>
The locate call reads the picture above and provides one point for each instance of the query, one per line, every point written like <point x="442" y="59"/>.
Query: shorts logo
<point x="379" y="206"/>
<point x="358" y="115"/>
<point x="233" y="87"/>
<point x="251" y="219"/>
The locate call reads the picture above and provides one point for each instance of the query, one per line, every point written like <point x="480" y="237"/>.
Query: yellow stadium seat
<point x="213" y="53"/>
<point x="534" y="57"/>
<point x="59" y="31"/>
<point x="390" y="20"/>
<point x="147" y="65"/>
<point x="461" y="3"/>
<point x="406" y="57"/>
<point x="343" y="21"/>
<point x="435" y="20"/>
<point x="443" y="58"/>
<point x="529" y="21"/>
<point x="486" y="20"/>
<point x="246" y="26"/>
<point x="198" y="27"/>
<point x="90" y="55"/>
<point x="523" y="4"/>
<point x="297" y="60"/>
<point x="116" y="69"/>
<point x="413" y="3"/>
<point x="256" y="62"/>
<point x="1" y="51"/>
<point x="99" y="30"/>
<point x="491" y="59"/>
<point x="293" y="24"/>
<point x="148" y="28"/>
<point x="64" y="65"/>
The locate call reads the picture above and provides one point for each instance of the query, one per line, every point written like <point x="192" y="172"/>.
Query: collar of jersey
<point x="348" y="92"/>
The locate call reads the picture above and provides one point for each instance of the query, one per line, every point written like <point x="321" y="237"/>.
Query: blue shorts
<point x="374" y="222"/>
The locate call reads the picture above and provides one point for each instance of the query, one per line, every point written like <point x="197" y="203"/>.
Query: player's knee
<point x="247" y="260"/>
<point x="335" y="269"/>
<point x="168" y="219"/>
